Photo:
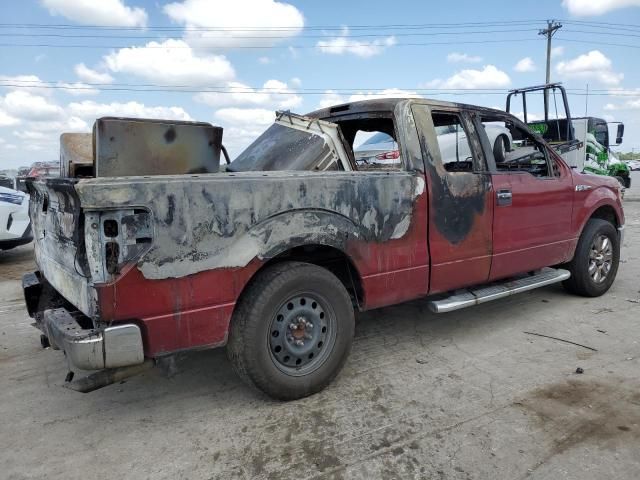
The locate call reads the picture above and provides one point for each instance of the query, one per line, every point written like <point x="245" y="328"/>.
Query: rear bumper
<point x="87" y="348"/>
<point x="96" y="348"/>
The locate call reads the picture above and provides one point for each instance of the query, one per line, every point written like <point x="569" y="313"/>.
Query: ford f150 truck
<point x="271" y="254"/>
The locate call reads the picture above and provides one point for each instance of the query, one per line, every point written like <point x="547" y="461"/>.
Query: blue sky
<point x="311" y="54"/>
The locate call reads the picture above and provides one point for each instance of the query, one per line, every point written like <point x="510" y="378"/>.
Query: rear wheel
<point x="595" y="263"/>
<point x="292" y="330"/>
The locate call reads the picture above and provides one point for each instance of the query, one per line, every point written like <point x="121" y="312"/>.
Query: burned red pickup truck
<point x="352" y="207"/>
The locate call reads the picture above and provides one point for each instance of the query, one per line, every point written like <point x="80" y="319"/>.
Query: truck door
<point x="533" y="201"/>
<point x="460" y="197"/>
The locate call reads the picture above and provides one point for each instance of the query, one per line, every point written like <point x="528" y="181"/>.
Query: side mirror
<point x="620" y="133"/>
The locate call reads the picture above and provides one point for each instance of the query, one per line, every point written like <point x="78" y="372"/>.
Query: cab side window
<point x="515" y="149"/>
<point x="453" y="142"/>
<point x="373" y="141"/>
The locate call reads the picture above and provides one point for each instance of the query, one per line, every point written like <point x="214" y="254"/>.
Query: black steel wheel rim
<point x="302" y="334"/>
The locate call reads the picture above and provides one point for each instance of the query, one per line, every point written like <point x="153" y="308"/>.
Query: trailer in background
<point x="583" y="142"/>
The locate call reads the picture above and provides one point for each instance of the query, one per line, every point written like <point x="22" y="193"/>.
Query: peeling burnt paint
<point x="457" y="197"/>
<point x="225" y="220"/>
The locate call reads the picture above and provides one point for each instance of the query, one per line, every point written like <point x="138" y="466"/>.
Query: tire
<point x="499" y="149"/>
<point x="590" y="258"/>
<point x="620" y="181"/>
<point x="289" y="303"/>
<point x="627" y="181"/>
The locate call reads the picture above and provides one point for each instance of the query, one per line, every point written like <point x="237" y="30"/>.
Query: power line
<point x="309" y="91"/>
<point x="368" y="35"/>
<point x="39" y="82"/>
<point x="264" y="47"/>
<point x="325" y="47"/>
<point x="271" y="28"/>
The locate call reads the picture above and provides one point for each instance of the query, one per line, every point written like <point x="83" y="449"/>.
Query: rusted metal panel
<point x="76" y="154"/>
<point x="130" y="147"/>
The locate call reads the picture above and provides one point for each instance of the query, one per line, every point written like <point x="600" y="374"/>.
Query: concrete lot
<point x="465" y="395"/>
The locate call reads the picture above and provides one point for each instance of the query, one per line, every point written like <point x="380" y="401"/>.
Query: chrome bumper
<point x="93" y="349"/>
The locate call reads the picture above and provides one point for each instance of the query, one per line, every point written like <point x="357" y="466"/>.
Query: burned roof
<point x="387" y="105"/>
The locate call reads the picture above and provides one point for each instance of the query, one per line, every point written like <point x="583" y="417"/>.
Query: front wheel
<point x="292" y="330"/>
<point x="595" y="263"/>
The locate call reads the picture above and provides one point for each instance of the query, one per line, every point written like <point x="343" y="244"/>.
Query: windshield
<point x="602" y="134"/>
<point x="283" y="148"/>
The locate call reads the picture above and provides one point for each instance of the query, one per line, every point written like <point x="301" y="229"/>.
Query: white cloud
<point x="241" y="116"/>
<point x="89" y="75"/>
<point x="242" y="126"/>
<point x="557" y="51"/>
<point x="343" y="44"/>
<point x="488" y="77"/>
<point x="78" y="89"/>
<point x="24" y="105"/>
<point x="456" y="57"/>
<point x="525" y="65"/>
<point x="170" y="62"/>
<point x="631" y="102"/>
<point x="588" y="8"/>
<point x="30" y="135"/>
<point x="531" y="117"/>
<point x="26" y="83"/>
<point x="295" y="81"/>
<point x="590" y="66"/>
<point x="274" y="93"/>
<point x="387" y="93"/>
<point x="330" y="97"/>
<point x="264" y="60"/>
<point x="270" y="20"/>
<point x="7" y="120"/>
<point x="98" y="12"/>
<point x="89" y="110"/>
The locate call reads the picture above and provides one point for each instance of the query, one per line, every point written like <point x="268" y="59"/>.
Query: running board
<point x="493" y="291"/>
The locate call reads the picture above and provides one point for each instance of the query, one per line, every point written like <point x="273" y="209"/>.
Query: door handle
<point x="504" y="197"/>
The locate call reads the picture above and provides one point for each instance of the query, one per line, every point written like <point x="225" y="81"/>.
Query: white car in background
<point x="382" y="149"/>
<point x="15" y="227"/>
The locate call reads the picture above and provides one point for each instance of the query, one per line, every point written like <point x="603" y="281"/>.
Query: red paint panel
<point x="535" y="230"/>
<point x="204" y="327"/>
<point x="176" y="313"/>
<point x="467" y="262"/>
<point x="396" y="270"/>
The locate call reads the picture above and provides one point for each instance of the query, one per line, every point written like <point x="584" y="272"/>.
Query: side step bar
<point x="493" y="291"/>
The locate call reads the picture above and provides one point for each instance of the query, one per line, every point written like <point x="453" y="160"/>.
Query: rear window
<point x="283" y="148"/>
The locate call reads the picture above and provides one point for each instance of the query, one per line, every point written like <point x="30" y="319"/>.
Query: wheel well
<point x="334" y="260"/>
<point x="607" y="213"/>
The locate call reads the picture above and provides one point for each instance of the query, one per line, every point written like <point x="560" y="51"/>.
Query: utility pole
<point x="552" y="28"/>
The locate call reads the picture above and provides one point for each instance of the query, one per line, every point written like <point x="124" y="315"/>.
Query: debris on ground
<point x="561" y="340"/>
